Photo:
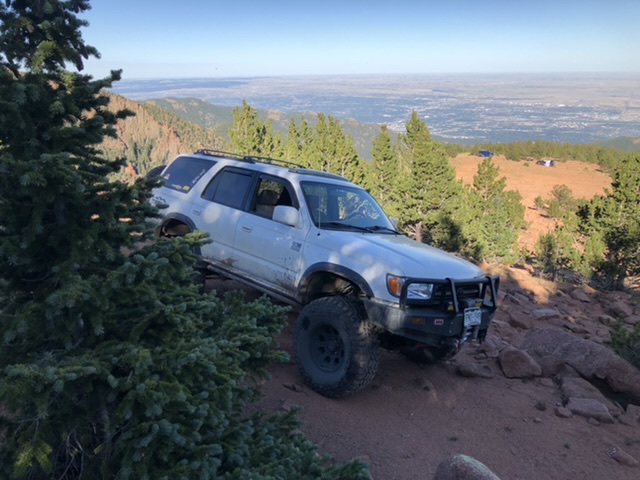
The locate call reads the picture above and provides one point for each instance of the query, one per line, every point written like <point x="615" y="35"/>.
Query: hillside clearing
<point x="585" y="180"/>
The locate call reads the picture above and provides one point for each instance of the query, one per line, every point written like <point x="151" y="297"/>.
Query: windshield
<point x="344" y="207"/>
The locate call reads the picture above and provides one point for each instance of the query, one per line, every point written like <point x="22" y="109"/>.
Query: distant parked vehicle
<point x="546" y="163"/>
<point x="485" y="153"/>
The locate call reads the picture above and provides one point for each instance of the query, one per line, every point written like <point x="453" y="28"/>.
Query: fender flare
<point x="335" y="269"/>
<point x="178" y="216"/>
<point x="181" y="218"/>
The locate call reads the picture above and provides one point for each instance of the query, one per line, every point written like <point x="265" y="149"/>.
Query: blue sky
<point x="239" y="38"/>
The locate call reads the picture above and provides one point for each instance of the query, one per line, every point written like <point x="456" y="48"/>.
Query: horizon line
<point x="415" y="74"/>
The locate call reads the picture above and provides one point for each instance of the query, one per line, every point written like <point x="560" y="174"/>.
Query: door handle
<point x="246" y="228"/>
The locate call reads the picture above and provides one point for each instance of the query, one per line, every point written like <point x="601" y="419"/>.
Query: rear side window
<point x="229" y="187"/>
<point x="184" y="173"/>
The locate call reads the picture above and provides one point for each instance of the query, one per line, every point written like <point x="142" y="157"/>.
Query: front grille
<point x="442" y="293"/>
<point x="467" y="293"/>
<point x="443" y="296"/>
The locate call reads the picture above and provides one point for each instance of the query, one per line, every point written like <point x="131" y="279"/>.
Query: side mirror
<point x="286" y="215"/>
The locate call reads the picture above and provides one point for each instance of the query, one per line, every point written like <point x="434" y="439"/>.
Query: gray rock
<point x="631" y="417"/>
<point x="544" y="313"/>
<point x="463" y="467"/>
<point x="519" y="298"/>
<point x="547" y="382"/>
<point x="563" y="412"/>
<point x="633" y="410"/>
<point x="590" y="408"/>
<point x="491" y="345"/>
<point x="551" y="365"/>
<point x="623" y="458"/>
<point x="620" y="308"/>
<point x="519" y="321"/>
<point x="580" y="295"/>
<point x="474" y="370"/>
<point x="590" y="359"/>
<point x="606" y="319"/>
<point x="632" y="320"/>
<point x="576" y="328"/>
<point x="519" y="364"/>
<point x="580" y="388"/>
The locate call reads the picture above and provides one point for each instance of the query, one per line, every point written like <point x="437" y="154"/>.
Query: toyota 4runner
<point x="323" y="244"/>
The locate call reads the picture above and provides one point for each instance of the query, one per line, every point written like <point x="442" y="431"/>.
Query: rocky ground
<point x="541" y="398"/>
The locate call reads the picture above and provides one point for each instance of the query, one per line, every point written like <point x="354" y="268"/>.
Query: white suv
<point x="317" y="241"/>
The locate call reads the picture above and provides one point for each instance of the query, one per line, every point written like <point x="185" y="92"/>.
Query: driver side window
<point x="270" y="193"/>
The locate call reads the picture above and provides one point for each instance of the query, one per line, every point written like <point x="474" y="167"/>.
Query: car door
<point x="270" y="252"/>
<point x="218" y="211"/>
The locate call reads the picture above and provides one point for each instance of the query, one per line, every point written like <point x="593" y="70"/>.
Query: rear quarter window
<point x="229" y="187"/>
<point x="184" y="173"/>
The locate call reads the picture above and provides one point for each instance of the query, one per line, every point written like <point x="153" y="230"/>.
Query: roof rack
<point x="248" y="158"/>
<point x="293" y="167"/>
<point x="318" y="173"/>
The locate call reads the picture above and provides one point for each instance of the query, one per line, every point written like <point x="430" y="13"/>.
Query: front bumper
<point x="439" y="322"/>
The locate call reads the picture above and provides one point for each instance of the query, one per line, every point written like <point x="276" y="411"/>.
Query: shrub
<point x="626" y="343"/>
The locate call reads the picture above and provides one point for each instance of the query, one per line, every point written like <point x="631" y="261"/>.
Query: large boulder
<point x="573" y="388"/>
<point x="463" y="467"/>
<point x="518" y="364"/>
<point x="591" y="360"/>
<point x="590" y="408"/>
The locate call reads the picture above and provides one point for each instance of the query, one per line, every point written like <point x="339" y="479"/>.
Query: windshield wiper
<point x="347" y="226"/>
<point x="342" y="226"/>
<point x="380" y="228"/>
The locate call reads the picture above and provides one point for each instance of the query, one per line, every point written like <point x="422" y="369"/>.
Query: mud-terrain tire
<point x="336" y="347"/>
<point x="429" y="355"/>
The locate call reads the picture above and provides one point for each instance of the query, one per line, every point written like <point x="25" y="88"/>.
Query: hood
<point x="406" y="257"/>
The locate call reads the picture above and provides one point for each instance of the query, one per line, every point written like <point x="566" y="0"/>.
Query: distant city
<point x="466" y="109"/>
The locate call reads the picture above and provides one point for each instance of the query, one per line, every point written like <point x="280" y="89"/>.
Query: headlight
<point x="415" y="291"/>
<point x="420" y="291"/>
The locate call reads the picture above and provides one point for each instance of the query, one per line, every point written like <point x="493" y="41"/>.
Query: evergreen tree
<point x="616" y="219"/>
<point x="345" y="160"/>
<point x="428" y="190"/>
<point x="112" y="364"/>
<point x="250" y="135"/>
<point x="327" y="148"/>
<point x="384" y="171"/>
<point x="319" y="148"/>
<point x="492" y="217"/>
<point x="293" y="144"/>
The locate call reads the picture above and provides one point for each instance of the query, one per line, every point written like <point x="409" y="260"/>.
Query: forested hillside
<point x="153" y="136"/>
<point x="220" y="120"/>
<point x="161" y="129"/>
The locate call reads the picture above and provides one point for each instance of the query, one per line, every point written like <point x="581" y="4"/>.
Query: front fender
<point x="306" y="285"/>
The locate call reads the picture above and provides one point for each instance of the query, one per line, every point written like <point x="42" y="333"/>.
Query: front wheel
<point x="336" y="347"/>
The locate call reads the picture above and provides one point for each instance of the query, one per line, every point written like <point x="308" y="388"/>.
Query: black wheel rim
<point x="326" y="347"/>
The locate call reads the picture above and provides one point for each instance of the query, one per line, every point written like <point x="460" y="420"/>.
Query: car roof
<point x="266" y="165"/>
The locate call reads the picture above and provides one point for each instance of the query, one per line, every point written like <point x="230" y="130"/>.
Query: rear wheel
<point x="336" y="347"/>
